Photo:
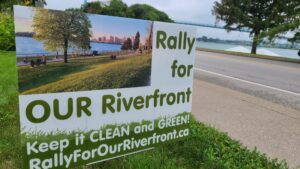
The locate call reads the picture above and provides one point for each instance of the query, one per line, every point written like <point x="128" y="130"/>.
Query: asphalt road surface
<point x="256" y="101"/>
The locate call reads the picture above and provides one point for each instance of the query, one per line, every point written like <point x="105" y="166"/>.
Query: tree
<point x="143" y="11"/>
<point x="255" y="15"/>
<point x="114" y="8"/>
<point x="291" y="24"/>
<point x="136" y="43"/>
<point x="119" y="8"/>
<point x="62" y="30"/>
<point x="127" y="45"/>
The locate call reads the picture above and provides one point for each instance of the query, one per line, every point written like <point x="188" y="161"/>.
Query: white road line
<point x="249" y="82"/>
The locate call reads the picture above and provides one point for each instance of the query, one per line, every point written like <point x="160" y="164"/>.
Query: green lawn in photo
<point x="206" y="148"/>
<point x="86" y="74"/>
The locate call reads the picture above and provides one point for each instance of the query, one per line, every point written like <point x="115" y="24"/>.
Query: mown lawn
<point x="85" y="74"/>
<point x="34" y="77"/>
<point x="206" y="148"/>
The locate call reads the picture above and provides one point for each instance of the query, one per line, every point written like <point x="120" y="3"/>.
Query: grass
<point x="206" y="148"/>
<point x="34" y="77"/>
<point x="86" y="74"/>
<point x="251" y="55"/>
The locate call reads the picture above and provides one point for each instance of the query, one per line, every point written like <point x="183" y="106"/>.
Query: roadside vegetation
<point x="206" y="148"/>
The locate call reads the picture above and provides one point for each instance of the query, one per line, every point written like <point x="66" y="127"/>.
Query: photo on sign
<point x="72" y="51"/>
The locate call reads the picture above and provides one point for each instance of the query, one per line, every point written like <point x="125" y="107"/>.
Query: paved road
<point x="281" y="75"/>
<point x="281" y="79"/>
<point x="256" y="101"/>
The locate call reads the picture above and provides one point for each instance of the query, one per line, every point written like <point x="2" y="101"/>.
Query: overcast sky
<point x="194" y="11"/>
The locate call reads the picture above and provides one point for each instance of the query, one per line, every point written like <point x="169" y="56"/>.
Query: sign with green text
<point x="93" y="88"/>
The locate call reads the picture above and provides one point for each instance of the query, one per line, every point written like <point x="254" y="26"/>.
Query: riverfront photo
<point x="72" y="51"/>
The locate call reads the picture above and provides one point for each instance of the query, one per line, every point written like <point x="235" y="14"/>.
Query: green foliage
<point x="7" y="34"/>
<point x="127" y="45"/>
<point x="256" y="15"/>
<point x="115" y="8"/>
<point x="60" y="30"/>
<point x="291" y="24"/>
<point x="276" y="32"/>
<point x="143" y="11"/>
<point x="136" y="43"/>
<point x="7" y="5"/>
<point x="119" y="8"/>
<point x="206" y="148"/>
<point x="9" y="117"/>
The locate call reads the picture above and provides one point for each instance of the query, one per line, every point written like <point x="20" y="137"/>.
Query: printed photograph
<point x="72" y="51"/>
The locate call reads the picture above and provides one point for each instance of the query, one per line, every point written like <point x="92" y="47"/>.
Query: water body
<point x="287" y="53"/>
<point x="27" y="46"/>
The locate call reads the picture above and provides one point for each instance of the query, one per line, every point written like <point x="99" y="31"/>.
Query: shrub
<point x="7" y="34"/>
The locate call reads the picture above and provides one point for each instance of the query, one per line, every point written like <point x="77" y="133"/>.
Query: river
<point x="27" y="46"/>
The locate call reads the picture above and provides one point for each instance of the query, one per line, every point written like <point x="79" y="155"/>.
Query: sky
<point x="117" y="26"/>
<point x="23" y="19"/>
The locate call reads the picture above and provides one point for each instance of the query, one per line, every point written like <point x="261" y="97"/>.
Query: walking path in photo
<point x="256" y="101"/>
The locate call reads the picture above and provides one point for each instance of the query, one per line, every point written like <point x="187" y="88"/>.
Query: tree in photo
<point x="127" y="45"/>
<point x="255" y="15"/>
<point x="60" y="31"/>
<point x="149" y="37"/>
<point x="136" y="43"/>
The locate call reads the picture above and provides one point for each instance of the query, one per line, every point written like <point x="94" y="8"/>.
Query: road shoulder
<point x="272" y="128"/>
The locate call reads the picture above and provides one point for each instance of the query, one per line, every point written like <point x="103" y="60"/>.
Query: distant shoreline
<point x="240" y="54"/>
<point x="243" y="43"/>
<point x="30" y="35"/>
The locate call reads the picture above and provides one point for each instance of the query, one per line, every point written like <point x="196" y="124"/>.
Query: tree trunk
<point x="66" y="51"/>
<point x="255" y="42"/>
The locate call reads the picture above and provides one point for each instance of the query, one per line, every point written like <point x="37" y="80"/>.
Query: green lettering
<point x="161" y="36"/>
<point x="171" y="98"/>
<point x="138" y="102"/>
<point x="83" y="108"/>
<point x="107" y="103"/>
<point x="29" y="111"/>
<point x="57" y="112"/>
<point x="127" y="105"/>
<point x="172" y="42"/>
<point x="191" y="44"/>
